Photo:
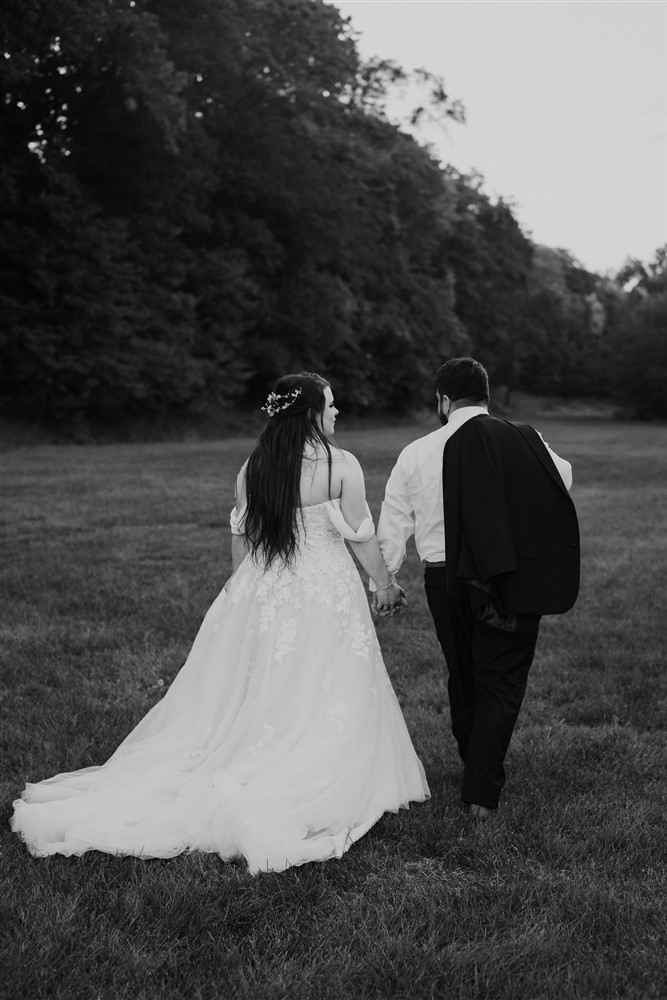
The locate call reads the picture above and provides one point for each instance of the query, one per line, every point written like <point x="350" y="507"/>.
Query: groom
<point x="488" y="503"/>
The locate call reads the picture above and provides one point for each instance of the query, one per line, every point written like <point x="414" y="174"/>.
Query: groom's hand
<point x="402" y="602"/>
<point x="394" y="599"/>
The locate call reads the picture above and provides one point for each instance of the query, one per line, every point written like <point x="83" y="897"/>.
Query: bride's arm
<point x="239" y="551"/>
<point x="240" y="546"/>
<point x="353" y="509"/>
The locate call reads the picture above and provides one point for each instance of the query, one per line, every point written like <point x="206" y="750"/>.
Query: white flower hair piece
<point x="273" y="405"/>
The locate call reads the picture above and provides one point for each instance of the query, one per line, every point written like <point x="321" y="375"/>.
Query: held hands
<point x="388" y="601"/>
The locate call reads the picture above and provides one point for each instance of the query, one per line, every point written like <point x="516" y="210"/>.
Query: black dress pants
<point x="488" y="672"/>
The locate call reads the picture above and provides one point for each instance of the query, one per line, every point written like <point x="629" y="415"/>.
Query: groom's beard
<point x="444" y="417"/>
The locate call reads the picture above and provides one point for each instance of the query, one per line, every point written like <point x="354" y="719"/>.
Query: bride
<point x="281" y="739"/>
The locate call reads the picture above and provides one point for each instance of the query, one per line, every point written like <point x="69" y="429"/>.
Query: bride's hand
<point x="387" y="600"/>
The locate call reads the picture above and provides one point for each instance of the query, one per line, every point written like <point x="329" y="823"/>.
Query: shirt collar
<point x="464" y="413"/>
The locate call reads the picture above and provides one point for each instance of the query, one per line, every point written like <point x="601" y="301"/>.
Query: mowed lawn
<point x="111" y="556"/>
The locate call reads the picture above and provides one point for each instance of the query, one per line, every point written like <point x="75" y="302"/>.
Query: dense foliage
<point x="639" y="349"/>
<point x="199" y="197"/>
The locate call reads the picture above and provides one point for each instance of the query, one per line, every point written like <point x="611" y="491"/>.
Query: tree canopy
<point x="199" y="197"/>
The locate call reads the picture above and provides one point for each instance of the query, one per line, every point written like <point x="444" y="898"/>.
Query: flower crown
<point x="273" y="406"/>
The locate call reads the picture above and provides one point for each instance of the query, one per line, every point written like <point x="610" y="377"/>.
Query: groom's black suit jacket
<point x="509" y="519"/>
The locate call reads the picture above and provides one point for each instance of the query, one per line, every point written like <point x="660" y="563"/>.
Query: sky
<point x="566" y="106"/>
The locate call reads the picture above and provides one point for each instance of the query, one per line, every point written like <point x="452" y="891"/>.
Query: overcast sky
<point x="566" y="105"/>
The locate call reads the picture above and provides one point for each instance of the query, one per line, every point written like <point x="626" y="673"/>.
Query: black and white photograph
<point x="333" y="447"/>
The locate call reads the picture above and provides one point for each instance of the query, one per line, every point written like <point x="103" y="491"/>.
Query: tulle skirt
<point x="281" y="739"/>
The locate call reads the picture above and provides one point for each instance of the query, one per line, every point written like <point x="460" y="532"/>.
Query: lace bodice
<point x="316" y="527"/>
<point x="321" y="517"/>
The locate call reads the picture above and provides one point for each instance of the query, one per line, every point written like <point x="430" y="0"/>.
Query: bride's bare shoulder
<point x="339" y="457"/>
<point x="347" y="466"/>
<point x="345" y="457"/>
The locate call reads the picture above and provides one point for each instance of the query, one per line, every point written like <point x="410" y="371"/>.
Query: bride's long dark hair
<point x="273" y="471"/>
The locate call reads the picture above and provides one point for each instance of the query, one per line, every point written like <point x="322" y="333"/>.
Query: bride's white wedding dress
<point x="281" y="739"/>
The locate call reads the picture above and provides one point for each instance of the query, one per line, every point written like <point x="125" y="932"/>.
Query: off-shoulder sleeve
<point x="365" y="530"/>
<point x="237" y="520"/>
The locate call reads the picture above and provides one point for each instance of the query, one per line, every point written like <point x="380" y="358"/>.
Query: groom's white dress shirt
<point x="413" y="503"/>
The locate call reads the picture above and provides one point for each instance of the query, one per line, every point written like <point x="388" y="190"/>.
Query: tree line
<point x="198" y="197"/>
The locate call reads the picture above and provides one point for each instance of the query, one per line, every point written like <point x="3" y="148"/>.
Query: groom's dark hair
<point x="463" y="379"/>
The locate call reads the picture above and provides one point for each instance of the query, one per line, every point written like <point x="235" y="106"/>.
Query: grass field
<point x="111" y="555"/>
